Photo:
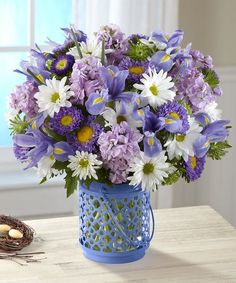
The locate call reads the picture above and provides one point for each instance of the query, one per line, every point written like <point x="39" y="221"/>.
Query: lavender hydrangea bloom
<point x="22" y="99"/>
<point x="194" y="168"/>
<point x="85" y="78"/>
<point x="119" y="146"/>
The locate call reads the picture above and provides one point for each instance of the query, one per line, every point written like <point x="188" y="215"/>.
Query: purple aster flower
<point x="85" y="78"/>
<point x="174" y="111"/>
<point x="85" y="137"/>
<point x="135" y="68"/>
<point x="61" y="48"/>
<point x="62" y="65"/>
<point x="21" y="152"/>
<point x="119" y="146"/>
<point x="22" y="99"/>
<point x="194" y="167"/>
<point x="66" y="120"/>
<point x="115" y="42"/>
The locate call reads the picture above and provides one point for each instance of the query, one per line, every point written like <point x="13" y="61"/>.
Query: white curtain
<point x="133" y="16"/>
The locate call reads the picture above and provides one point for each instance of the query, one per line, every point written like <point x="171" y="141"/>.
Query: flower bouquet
<point x="121" y="116"/>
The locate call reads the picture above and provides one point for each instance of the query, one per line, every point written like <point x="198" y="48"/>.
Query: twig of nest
<point x="14" y="234"/>
<point x="22" y="258"/>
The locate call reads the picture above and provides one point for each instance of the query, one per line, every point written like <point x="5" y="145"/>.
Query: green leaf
<point x="76" y="43"/>
<point x="70" y="183"/>
<point x="210" y="77"/>
<point x="18" y="125"/>
<point x="54" y="135"/>
<point x="187" y="107"/>
<point x="103" y="53"/>
<point x="60" y="165"/>
<point x="218" y="150"/>
<point x="172" y="178"/>
<point x="35" y="77"/>
<point x="43" y="180"/>
<point x="88" y="182"/>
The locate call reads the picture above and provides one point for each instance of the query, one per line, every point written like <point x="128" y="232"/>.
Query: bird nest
<point x="9" y="244"/>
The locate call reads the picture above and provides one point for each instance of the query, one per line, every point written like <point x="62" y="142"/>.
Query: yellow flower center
<point x="120" y="119"/>
<point x="84" y="134"/>
<point x="39" y="76"/>
<point x="154" y="90"/>
<point x="165" y="58"/>
<point x="193" y="162"/>
<point x="174" y="115"/>
<point x="61" y="65"/>
<point x="84" y="163"/>
<point x="150" y="141"/>
<point x="66" y="120"/>
<point x="54" y="97"/>
<point x="136" y="70"/>
<point x="58" y="151"/>
<point x="180" y="138"/>
<point x="148" y="168"/>
<point x="97" y="100"/>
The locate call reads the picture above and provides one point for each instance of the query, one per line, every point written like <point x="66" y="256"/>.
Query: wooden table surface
<point x="192" y="244"/>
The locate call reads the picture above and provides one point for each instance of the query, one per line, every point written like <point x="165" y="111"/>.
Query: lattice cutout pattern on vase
<point x="98" y="230"/>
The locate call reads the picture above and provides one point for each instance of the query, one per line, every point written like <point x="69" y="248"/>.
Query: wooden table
<point x="192" y="244"/>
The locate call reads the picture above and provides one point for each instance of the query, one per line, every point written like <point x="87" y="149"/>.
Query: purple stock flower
<point x="194" y="167"/>
<point x="135" y="68"/>
<point x="22" y="99"/>
<point x="175" y="117"/>
<point x="85" y="78"/>
<point x="86" y="136"/>
<point x="66" y="120"/>
<point x="119" y="146"/>
<point x="115" y="42"/>
<point x="62" y="65"/>
<point x="96" y="102"/>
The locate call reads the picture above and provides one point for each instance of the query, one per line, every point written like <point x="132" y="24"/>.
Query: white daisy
<point x="212" y="110"/>
<point x="182" y="145"/>
<point x="155" y="88"/>
<point x="84" y="165"/>
<point x="115" y="117"/>
<point x="90" y="48"/>
<point x="54" y="95"/>
<point x="44" y="169"/>
<point x="149" y="172"/>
